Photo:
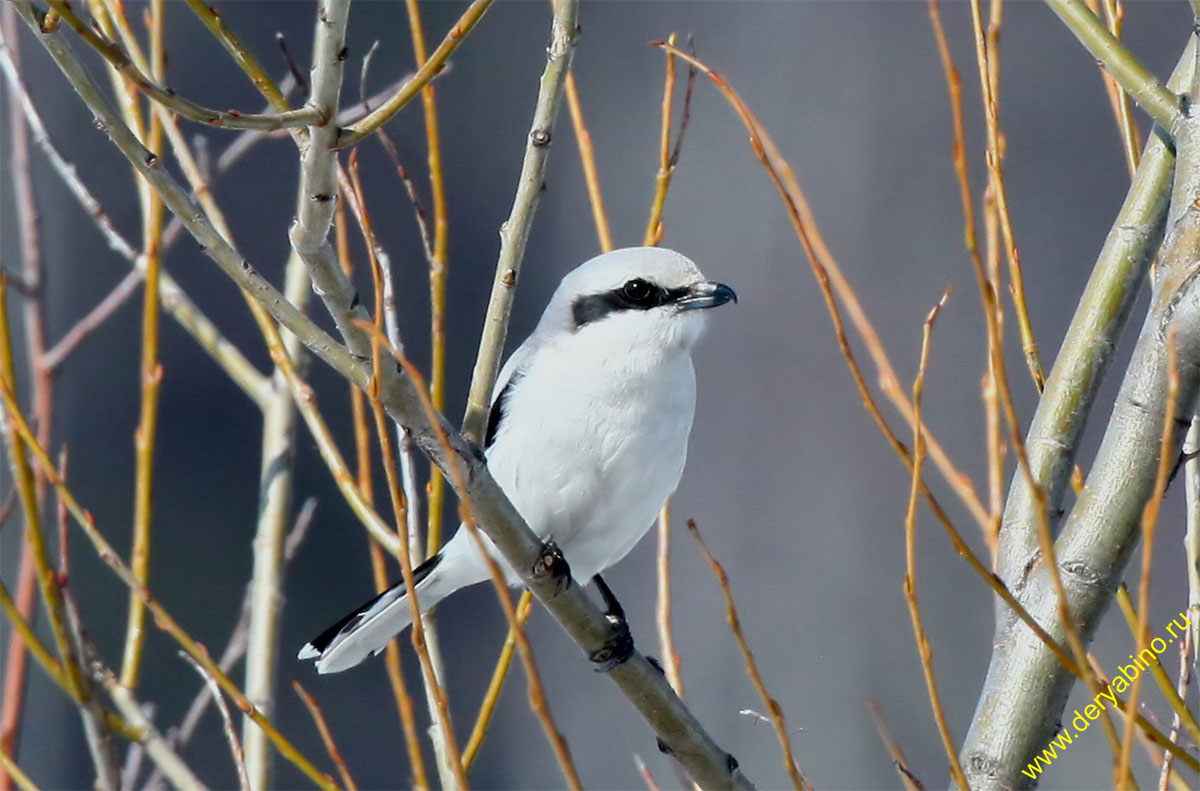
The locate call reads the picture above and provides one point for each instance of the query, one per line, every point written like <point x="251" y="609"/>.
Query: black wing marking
<point x="322" y="641"/>
<point x="496" y="415"/>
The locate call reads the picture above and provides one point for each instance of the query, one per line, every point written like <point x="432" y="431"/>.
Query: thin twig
<point x="1191" y="539"/>
<point x="537" y="695"/>
<point x="1181" y="692"/>
<point x="153" y="213"/>
<point x="499" y="673"/>
<point x="644" y="771"/>
<point x="910" y="556"/>
<point x="15" y="772"/>
<point x="362" y="447"/>
<point x="101" y="313"/>
<point x="40" y="387"/>
<point x="668" y="157"/>
<point x="827" y="275"/>
<point x="907" y="778"/>
<point x="1177" y="702"/>
<point x="825" y="268"/>
<point x="445" y="742"/>
<point x="174" y="300"/>
<point x="987" y="285"/>
<point x="587" y="158"/>
<point x="318" y="718"/>
<point x="789" y="761"/>
<point x="662" y="607"/>
<point x="352" y="134"/>
<point x="235" y="748"/>
<point x="156" y="746"/>
<point x="162" y="619"/>
<point x="120" y="60"/>
<point x="235" y="647"/>
<point x="1000" y="195"/>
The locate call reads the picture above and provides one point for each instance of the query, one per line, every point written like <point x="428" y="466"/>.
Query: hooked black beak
<point x="706" y="295"/>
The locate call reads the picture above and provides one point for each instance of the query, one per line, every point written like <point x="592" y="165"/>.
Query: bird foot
<point x="551" y="562"/>
<point x="619" y="646"/>
<point x="616" y="650"/>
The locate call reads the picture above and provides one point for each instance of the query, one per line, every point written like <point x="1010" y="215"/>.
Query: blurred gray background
<point x="792" y="485"/>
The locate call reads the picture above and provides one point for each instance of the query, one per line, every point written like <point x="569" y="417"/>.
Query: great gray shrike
<point x="587" y="434"/>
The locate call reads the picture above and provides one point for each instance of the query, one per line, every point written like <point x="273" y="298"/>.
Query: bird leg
<point x="551" y="561"/>
<point x="619" y="646"/>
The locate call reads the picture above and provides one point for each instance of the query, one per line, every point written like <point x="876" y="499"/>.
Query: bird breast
<point x="592" y="446"/>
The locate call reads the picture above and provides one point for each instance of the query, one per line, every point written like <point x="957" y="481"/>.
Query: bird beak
<point x="706" y="295"/>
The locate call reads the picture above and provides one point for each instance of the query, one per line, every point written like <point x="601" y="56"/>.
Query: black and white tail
<point x="367" y="630"/>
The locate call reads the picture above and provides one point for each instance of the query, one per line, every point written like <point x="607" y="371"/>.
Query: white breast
<point x="592" y="444"/>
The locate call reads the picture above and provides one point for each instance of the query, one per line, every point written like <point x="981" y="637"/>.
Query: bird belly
<point x="593" y="465"/>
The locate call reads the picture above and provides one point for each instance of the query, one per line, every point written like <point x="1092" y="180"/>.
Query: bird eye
<point x="637" y="290"/>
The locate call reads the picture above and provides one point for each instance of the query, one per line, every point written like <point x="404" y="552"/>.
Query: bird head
<point x="635" y="297"/>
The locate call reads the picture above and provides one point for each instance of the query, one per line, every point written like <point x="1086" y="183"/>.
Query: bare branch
<point x="119" y="60"/>
<point x="514" y="233"/>
<point x="1130" y="74"/>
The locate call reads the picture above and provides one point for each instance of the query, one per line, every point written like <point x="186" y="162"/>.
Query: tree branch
<point x="117" y="57"/>
<point x="1102" y="530"/>
<point x="1086" y="351"/>
<point x="1161" y="103"/>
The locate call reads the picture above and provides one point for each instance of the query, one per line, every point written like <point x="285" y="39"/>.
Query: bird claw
<point x="619" y="646"/>
<point x="552" y="562"/>
<point x="617" y="649"/>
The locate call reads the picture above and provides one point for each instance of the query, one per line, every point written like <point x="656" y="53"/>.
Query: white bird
<point x="587" y="434"/>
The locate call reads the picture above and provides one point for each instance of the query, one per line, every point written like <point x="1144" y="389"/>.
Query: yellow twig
<point x="907" y="778"/>
<point x="825" y="268"/>
<point x="429" y="69"/>
<point x="16" y="773"/>
<point x="829" y="277"/>
<point x="488" y="707"/>
<point x="1177" y="703"/>
<point x="437" y="272"/>
<point x="910" y="556"/>
<point x="153" y="215"/>
<point x="162" y="618"/>
<point x="987" y="285"/>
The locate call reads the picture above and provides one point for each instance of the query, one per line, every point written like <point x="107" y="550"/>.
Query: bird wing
<point x="510" y="374"/>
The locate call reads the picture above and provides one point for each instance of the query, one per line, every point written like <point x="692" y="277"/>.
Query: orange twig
<point x="910" y="556"/>
<point x="318" y="718"/>
<point x="776" y="711"/>
<point x="907" y="778"/>
<point x="587" y="158"/>
<point x="827" y="272"/>
<point x="996" y="172"/>
<point x="378" y="338"/>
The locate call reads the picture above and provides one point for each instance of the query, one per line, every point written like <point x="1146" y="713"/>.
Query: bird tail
<point x="367" y="630"/>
